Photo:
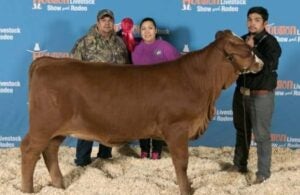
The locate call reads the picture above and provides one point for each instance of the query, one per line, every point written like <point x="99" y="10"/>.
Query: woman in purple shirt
<point x="151" y="51"/>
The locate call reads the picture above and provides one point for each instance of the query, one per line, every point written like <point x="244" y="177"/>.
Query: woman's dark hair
<point x="148" y="19"/>
<point x="259" y="10"/>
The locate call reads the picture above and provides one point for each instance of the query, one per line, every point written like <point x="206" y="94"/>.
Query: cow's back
<point x="115" y="103"/>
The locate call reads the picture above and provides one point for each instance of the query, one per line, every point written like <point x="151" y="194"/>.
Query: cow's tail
<point x="32" y="69"/>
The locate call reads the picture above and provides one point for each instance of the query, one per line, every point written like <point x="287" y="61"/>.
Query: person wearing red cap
<point x="100" y="44"/>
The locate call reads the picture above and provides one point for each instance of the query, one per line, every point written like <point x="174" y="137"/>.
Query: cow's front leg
<point x="178" y="146"/>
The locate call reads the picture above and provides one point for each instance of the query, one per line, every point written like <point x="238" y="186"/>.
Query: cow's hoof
<point x="24" y="190"/>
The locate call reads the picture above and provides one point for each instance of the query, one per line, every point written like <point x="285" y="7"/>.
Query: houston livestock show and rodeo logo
<point x="62" y="5"/>
<point x="9" y="33"/>
<point x="7" y="87"/>
<point x="213" y="5"/>
<point x="286" y="34"/>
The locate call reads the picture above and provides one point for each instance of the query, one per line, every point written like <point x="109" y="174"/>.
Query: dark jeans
<point x="253" y="113"/>
<point x="84" y="150"/>
<point x="146" y="145"/>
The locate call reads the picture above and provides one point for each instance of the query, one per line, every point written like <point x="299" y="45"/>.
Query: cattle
<point x="172" y="101"/>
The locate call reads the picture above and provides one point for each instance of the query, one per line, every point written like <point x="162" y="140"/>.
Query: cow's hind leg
<point x="177" y="142"/>
<point x="29" y="156"/>
<point x="50" y="155"/>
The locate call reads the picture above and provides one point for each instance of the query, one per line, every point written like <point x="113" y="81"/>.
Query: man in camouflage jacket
<point x="100" y="44"/>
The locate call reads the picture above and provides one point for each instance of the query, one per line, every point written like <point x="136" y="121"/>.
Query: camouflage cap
<point x="105" y="12"/>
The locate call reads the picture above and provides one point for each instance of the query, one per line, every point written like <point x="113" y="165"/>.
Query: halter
<point x="230" y="57"/>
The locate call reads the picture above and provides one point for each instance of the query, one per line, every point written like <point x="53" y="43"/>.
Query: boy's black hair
<point x="259" y="10"/>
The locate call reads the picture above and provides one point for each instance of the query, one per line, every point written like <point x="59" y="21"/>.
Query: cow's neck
<point x="204" y="68"/>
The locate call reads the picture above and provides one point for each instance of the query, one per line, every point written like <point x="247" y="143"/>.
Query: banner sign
<point x="34" y="28"/>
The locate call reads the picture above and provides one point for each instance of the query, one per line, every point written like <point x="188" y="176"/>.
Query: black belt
<point x="248" y="92"/>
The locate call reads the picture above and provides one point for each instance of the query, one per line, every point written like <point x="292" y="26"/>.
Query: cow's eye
<point x="230" y="57"/>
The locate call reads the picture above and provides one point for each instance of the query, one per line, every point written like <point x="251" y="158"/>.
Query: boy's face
<point x="255" y="23"/>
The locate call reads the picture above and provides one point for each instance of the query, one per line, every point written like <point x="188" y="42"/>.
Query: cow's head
<point x="239" y="53"/>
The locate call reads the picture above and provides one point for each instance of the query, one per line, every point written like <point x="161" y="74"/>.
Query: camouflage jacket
<point x="92" y="47"/>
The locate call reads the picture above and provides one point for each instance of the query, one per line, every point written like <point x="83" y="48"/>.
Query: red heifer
<point x="173" y="101"/>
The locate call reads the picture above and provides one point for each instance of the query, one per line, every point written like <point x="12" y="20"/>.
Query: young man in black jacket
<point x="253" y="101"/>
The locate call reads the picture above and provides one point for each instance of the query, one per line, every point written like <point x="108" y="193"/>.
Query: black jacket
<point x="268" y="50"/>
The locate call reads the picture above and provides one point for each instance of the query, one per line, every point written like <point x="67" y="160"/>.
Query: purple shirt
<point x="158" y="51"/>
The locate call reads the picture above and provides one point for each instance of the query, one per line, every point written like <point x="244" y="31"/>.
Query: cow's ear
<point x="225" y="32"/>
<point x="228" y="32"/>
<point x="219" y="34"/>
